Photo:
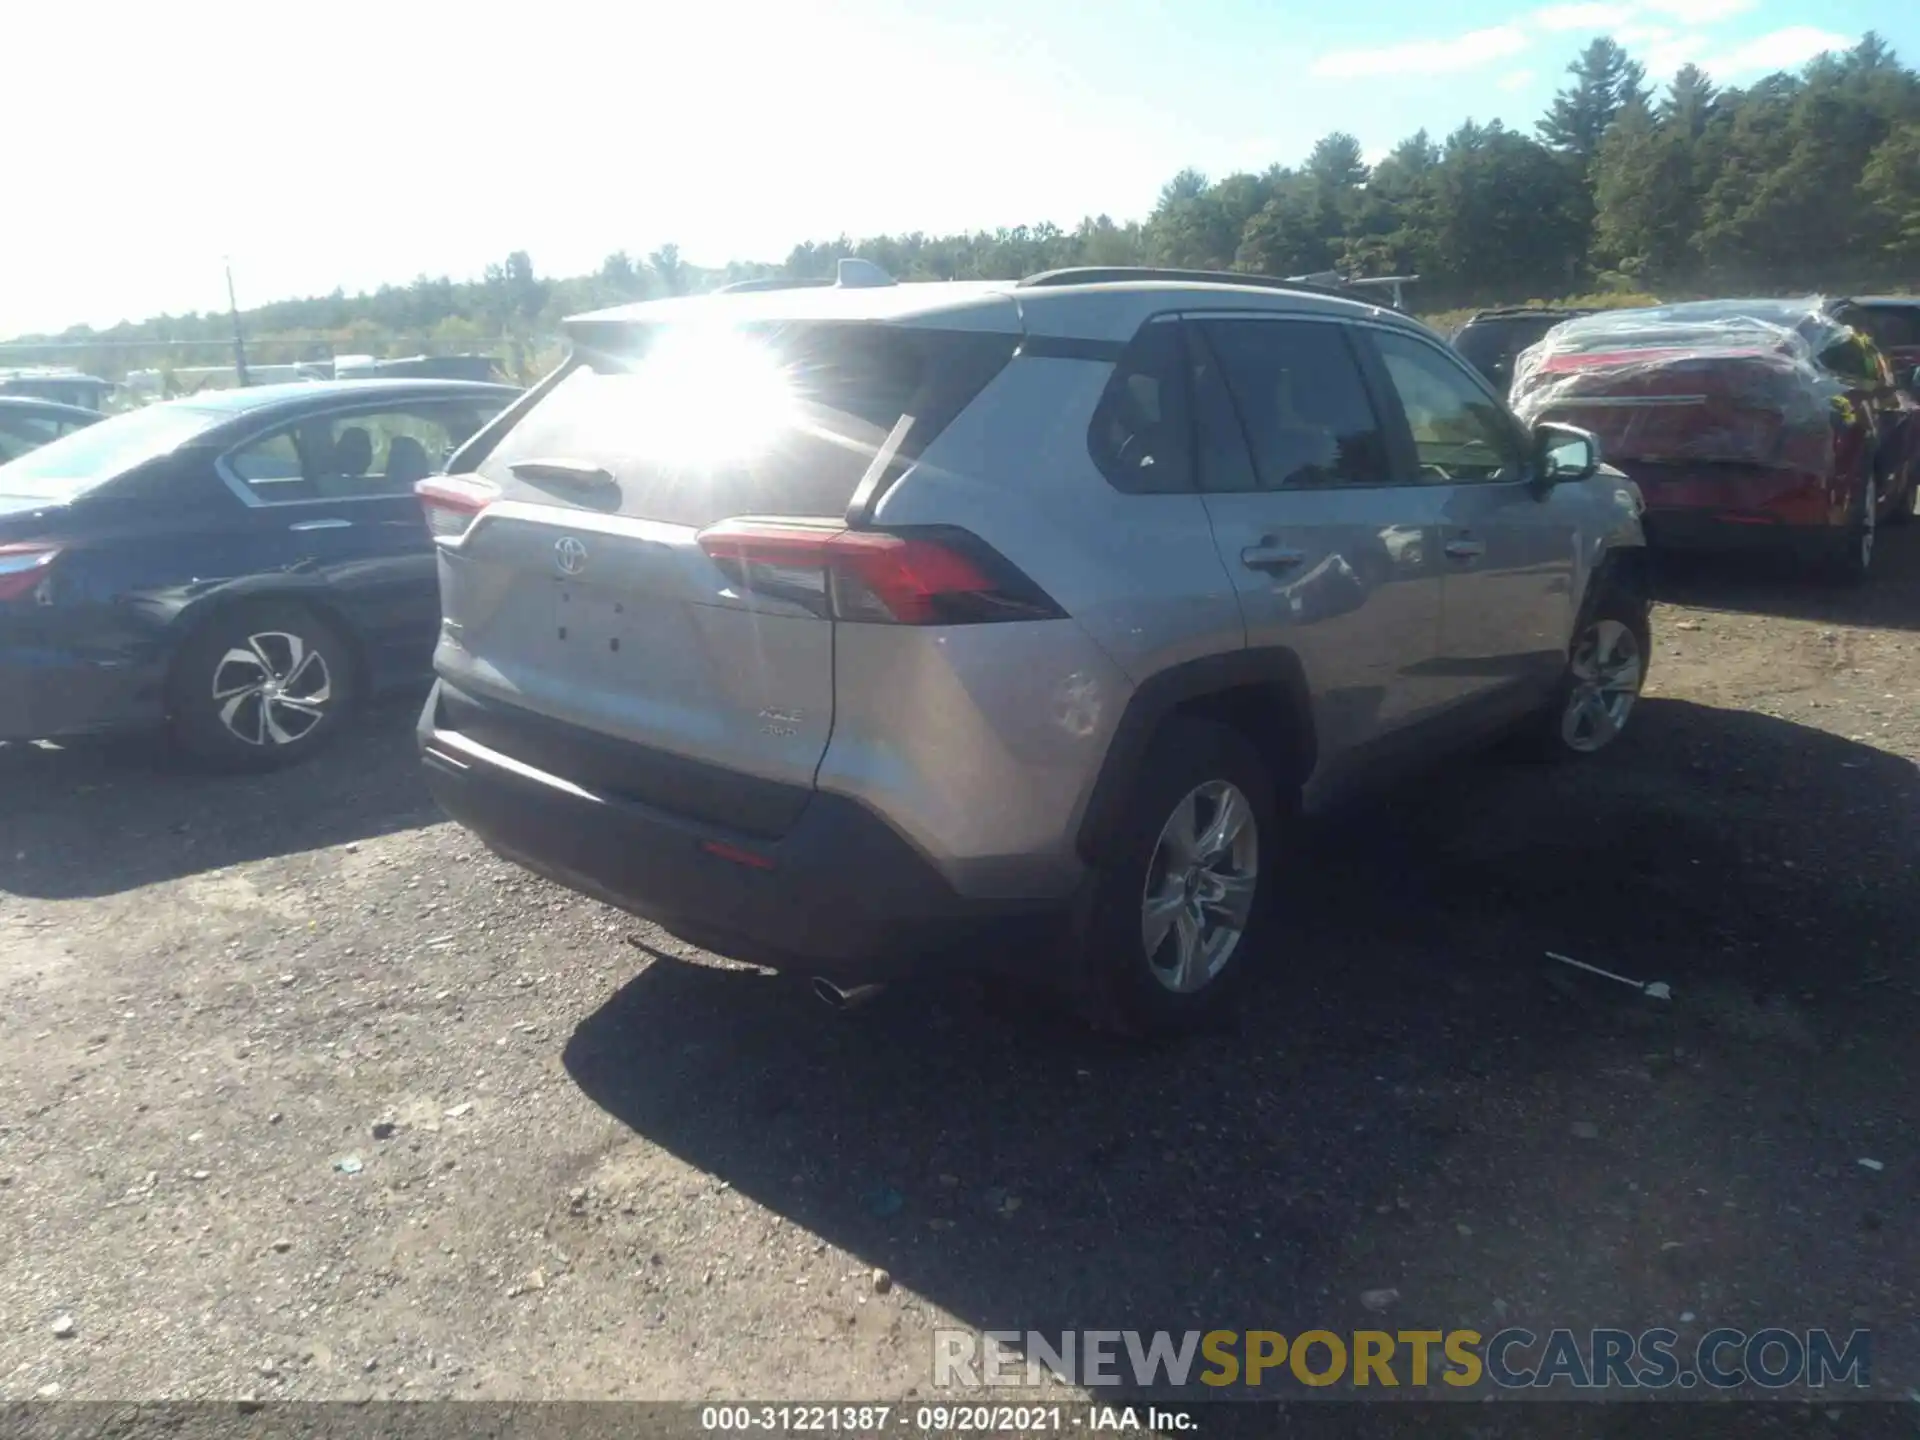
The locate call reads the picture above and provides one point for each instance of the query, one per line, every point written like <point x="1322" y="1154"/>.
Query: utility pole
<point x="239" y="339"/>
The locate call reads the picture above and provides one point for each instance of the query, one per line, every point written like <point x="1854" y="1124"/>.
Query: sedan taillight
<point x="24" y="568"/>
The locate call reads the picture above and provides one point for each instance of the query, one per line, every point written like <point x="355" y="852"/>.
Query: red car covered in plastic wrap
<point x="1744" y="422"/>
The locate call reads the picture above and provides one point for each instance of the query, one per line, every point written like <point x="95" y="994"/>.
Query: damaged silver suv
<point x="856" y="627"/>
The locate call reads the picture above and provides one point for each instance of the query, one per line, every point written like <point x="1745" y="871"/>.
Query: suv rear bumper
<point x="840" y="894"/>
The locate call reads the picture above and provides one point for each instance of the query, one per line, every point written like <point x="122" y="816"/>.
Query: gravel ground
<point x="308" y="1096"/>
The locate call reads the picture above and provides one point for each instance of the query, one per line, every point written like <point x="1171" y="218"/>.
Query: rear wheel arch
<point x="216" y="607"/>
<point x="292" y="672"/>
<point x="1260" y="693"/>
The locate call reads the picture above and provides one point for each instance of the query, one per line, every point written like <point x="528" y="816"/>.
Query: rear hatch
<point x="641" y="557"/>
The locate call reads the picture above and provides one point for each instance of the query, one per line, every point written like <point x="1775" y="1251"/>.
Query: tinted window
<point x="1302" y="402"/>
<point x="357" y="456"/>
<point x="1142" y="433"/>
<point x="271" y="465"/>
<point x="93" y="454"/>
<point x="1220" y="440"/>
<point x="697" y="425"/>
<point x="21" y="431"/>
<point x="1459" y="431"/>
<point x="1895" y="327"/>
<point x="1493" y="346"/>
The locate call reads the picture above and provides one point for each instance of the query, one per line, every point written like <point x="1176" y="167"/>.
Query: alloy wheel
<point x="1607" y="671"/>
<point x="273" y="690"/>
<point x="1200" y="887"/>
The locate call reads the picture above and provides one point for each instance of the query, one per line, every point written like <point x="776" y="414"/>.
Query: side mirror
<point x="1563" y="453"/>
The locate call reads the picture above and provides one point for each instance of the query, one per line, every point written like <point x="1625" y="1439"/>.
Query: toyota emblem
<point x="570" y="555"/>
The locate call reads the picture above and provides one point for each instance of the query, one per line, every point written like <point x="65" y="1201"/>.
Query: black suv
<point x="1493" y="339"/>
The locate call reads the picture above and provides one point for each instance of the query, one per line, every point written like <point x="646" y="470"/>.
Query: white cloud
<point x="1676" y="50"/>
<point x="1462" y="52"/>
<point x="1643" y="34"/>
<point x="1588" y="15"/>
<point x="1698" y="12"/>
<point x="1514" y="80"/>
<point x="1777" y="50"/>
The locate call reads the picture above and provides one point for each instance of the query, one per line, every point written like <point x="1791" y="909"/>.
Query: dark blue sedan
<point x="242" y="567"/>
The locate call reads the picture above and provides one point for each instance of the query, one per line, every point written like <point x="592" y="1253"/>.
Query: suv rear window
<point x="697" y="425"/>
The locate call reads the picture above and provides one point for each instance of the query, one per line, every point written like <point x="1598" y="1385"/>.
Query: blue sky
<point x="357" y="142"/>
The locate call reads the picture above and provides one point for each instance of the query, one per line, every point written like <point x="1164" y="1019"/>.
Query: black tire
<point x="297" y="688"/>
<point x="1552" y="734"/>
<point x="1901" y="512"/>
<point x="1121" y="984"/>
<point x="1850" y="560"/>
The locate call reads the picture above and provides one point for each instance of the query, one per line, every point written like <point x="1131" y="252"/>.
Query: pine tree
<point x="1645" y="199"/>
<point x="1605" y="82"/>
<point x="1690" y="100"/>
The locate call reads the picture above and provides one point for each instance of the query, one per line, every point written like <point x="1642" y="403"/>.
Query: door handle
<point x="1465" y="549"/>
<point x="321" y="525"/>
<point x="1269" y="556"/>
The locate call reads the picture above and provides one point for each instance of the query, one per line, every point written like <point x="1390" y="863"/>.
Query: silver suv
<point x="839" y="628"/>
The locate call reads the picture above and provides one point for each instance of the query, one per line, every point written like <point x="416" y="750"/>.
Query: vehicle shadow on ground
<point x="1410" y="1059"/>
<point x="1762" y="584"/>
<point x="103" y="816"/>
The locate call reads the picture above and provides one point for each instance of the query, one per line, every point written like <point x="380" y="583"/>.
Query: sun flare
<point x="710" y="396"/>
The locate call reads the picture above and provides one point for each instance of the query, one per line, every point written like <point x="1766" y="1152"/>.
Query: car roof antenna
<point x="854" y="274"/>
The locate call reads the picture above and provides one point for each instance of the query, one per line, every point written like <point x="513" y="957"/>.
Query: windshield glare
<point x="76" y="463"/>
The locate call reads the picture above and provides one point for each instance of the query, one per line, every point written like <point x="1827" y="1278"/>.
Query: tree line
<point x="1798" y="181"/>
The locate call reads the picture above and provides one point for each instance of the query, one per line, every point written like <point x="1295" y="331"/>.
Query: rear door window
<point x="1141" y="436"/>
<point x="697" y="425"/>
<point x="361" y="455"/>
<point x="1297" y="386"/>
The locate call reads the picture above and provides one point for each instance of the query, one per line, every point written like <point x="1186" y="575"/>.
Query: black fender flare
<point x="194" y="613"/>
<point x="1623" y="570"/>
<point x="1264" y="684"/>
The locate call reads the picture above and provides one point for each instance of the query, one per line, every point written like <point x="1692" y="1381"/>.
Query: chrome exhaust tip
<point x="836" y="998"/>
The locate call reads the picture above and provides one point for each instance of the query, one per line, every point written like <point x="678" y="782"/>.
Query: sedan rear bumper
<point x="840" y="894"/>
<point x="1741" y="507"/>
<point x="1708" y="533"/>
<point x="45" y="694"/>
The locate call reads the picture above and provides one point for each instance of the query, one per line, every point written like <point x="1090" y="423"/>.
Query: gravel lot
<point x="616" y="1175"/>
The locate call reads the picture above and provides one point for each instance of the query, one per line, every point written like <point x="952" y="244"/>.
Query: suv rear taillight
<point x="924" y="575"/>
<point x="452" y="502"/>
<point x="23" y="568"/>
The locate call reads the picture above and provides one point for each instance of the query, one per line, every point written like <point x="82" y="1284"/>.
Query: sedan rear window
<point x="74" y="464"/>
<point x="696" y="424"/>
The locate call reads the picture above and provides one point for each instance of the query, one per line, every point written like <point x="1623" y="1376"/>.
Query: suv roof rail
<point x="1116" y="274"/>
<point x="772" y="282"/>
<point x="849" y="274"/>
